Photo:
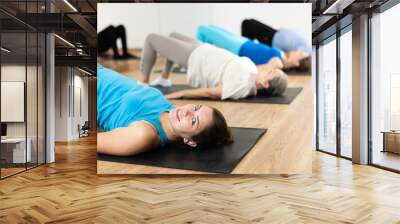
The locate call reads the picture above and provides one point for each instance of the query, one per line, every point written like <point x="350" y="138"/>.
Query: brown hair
<point x="215" y="134"/>
<point x="304" y="66"/>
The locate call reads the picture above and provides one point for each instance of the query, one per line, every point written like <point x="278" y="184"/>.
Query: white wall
<point x="33" y="127"/>
<point x="61" y="103"/>
<point x="68" y="82"/>
<point x="17" y="73"/>
<point x="141" y="19"/>
<point x="14" y="73"/>
<point x="80" y="84"/>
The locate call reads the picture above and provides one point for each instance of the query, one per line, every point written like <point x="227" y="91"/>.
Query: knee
<point x="201" y="32"/>
<point x="245" y="22"/>
<point x="120" y="28"/>
<point x="201" y="29"/>
<point x="174" y="34"/>
<point x="151" y="38"/>
<point x="110" y="29"/>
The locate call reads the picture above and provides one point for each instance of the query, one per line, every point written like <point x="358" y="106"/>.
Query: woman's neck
<point x="258" y="82"/>
<point x="166" y="125"/>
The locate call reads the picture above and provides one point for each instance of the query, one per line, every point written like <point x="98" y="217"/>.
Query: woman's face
<point x="295" y="57"/>
<point x="266" y="77"/>
<point x="189" y="120"/>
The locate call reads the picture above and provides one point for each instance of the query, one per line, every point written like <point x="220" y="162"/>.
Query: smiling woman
<point x="137" y="118"/>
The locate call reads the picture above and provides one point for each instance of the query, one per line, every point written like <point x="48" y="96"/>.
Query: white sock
<point x="141" y="83"/>
<point x="160" y="81"/>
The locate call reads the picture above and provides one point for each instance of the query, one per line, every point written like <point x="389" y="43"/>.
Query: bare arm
<point x="213" y="93"/>
<point x="128" y="141"/>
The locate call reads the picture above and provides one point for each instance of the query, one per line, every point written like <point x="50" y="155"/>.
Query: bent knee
<point x="174" y="34"/>
<point x="151" y="37"/>
<point x="201" y="32"/>
<point x="202" y="29"/>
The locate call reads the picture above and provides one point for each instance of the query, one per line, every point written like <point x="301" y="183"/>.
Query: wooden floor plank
<point x="70" y="191"/>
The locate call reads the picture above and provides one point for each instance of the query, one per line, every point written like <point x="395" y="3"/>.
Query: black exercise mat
<point x="286" y="98"/>
<point x="294" y="73"/>
<point x="110" y="57"/>
<point x="221" y="159"/>
<point x="175" y="70"/>
<point x="179" y="70"/>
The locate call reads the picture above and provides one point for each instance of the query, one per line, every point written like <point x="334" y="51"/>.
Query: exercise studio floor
<point x="285" y="148"/>
<point x="70" y="191"/>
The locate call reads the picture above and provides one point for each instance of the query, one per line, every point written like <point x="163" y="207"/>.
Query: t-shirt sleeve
<point x="267" y="53"/>
<point x="238" y="82"/>
<point x="276" y="52"/>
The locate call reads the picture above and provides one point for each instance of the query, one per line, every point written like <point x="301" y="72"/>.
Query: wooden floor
<point x="285" y="148"/>
<point x="10" y="171"/>
<point x="387" y="159"/>
<point x="70" y="191"/>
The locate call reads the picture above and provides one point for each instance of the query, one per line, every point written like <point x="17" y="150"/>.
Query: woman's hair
<point x="277" y="86"/>
<point x="215" y="134"/>
<point x="304" y="66"/>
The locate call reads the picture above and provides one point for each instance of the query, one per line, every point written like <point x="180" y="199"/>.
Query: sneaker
<point x="160" y="81"/>
<point x="143" y="84"/>
<point x="130" y="56"/>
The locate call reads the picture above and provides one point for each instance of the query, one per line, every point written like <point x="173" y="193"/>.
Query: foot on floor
<point x="126" y="56"/>
<point x="160" y="81"/>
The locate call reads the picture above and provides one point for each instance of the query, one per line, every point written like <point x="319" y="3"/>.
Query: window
<point x="346" y="94"/>
<point x="327" y="97"/>
<point x="385" y="89"/>
<point x="22" y="76"/>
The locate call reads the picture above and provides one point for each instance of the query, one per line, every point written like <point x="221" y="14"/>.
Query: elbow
<point x="118" y="149"/>
<point x="121" y="151"/>
<point x="215" y="96"/>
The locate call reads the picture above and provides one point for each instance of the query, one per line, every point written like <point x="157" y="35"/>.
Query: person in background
<point x="285" y="39"/>
<point x="107" y="39"/>
<point x="213" y="72"/>
<point x="261" y="54"/>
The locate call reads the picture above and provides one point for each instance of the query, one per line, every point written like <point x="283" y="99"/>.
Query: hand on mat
<point x="175" y="95"/>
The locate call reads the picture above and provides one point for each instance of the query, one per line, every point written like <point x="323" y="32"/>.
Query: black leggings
<point x="254" y="29"/>
<point x="107" y="39"/>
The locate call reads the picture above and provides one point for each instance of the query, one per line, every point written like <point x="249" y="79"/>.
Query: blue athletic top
<point x="287" y="40"/>
<point x="259" y="53"/>
<point x="121" y="101"/>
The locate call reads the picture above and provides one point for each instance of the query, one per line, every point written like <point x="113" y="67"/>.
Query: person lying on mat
<point x="214" y="72"/>
<point x="259" y="53"/>
<point x="137" y="118"/>
<point x="288" y="40"/>
<point x="107" y="39"/>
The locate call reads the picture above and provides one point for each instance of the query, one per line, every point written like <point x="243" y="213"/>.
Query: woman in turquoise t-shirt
<point x="137" y="118"/>
<point x="261" y="54"/>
